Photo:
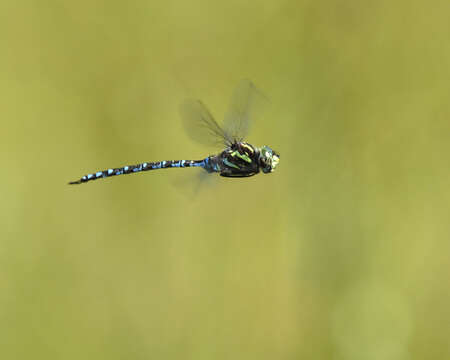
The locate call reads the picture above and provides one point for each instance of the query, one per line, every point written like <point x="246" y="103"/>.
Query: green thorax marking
<point x="241" y="156"/>
<point x="226" y="162"/>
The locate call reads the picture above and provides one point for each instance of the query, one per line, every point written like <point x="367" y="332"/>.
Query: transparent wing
<point x="200" y="124"/>
<point x="191" y="183"/>
<point x="245" y="101"/>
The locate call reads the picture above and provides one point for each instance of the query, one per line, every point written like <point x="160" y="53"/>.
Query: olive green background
<point x="342" y="253"/>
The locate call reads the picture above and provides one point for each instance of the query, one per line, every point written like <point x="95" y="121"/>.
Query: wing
<point x="201" y="126"/>
<point x="245" y="101"/>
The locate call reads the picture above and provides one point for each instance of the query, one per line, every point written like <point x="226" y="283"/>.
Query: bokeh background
<point x="343" y="253"/>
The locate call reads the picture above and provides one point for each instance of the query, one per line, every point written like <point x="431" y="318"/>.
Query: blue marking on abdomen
<point x="200" y="164"/>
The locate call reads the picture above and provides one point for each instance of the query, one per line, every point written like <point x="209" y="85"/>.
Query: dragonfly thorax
<point x="242" y="159"/>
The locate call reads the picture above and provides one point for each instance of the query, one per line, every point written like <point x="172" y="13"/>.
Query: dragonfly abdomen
<point x="146" y="166"/>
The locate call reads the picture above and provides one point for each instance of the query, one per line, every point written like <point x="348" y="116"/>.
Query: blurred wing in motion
<point x="245" y="100"/>
<point x="190" y="183"/>
<point x="201" y="126"/>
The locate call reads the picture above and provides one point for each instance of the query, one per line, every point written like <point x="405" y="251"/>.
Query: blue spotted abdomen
<point x="130" y="169"/>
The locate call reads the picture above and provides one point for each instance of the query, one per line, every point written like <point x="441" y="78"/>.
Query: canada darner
<point x="239" y="159"/>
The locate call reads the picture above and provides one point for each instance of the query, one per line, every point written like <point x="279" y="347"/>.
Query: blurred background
<point x="342" y="253"/>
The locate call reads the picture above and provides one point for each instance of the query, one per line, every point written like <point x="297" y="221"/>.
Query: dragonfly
<point x="239" y="158"/>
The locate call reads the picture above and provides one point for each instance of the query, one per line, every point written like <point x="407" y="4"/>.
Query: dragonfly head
<point x="268" y="159"/>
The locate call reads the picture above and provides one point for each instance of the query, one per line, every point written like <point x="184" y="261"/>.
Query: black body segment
<point x="146" y="166"/>
<point x="239" y="160"/>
